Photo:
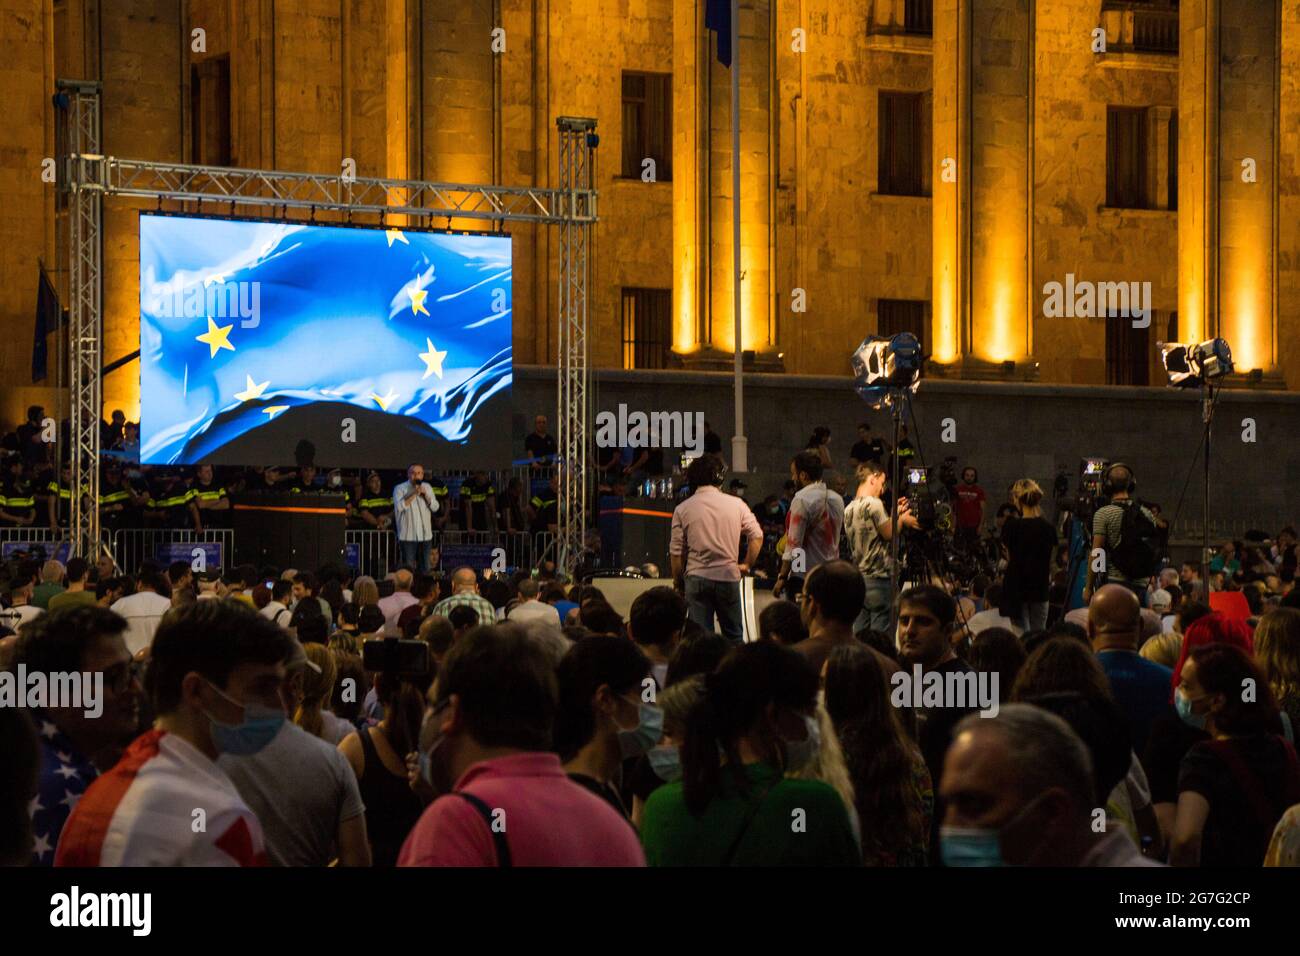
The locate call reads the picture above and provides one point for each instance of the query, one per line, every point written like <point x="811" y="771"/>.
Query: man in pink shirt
<point x="706" y="537"/>
<point x="502" y="796"/>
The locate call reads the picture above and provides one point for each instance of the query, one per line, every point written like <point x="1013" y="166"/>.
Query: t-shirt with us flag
<point x="145" y="812"/>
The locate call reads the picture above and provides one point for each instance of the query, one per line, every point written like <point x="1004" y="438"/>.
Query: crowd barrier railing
<point x="373" y="552"/>
<point x="131" y="546"/>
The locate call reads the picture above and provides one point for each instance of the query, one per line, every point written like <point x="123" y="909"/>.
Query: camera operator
<point x="869" y="529"/>
<point x="1029" y="539"/>
<point x="1130" y="555"/>
<point x="813" y="524"/>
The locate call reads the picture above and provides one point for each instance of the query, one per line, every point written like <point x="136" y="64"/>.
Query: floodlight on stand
<point x="884" y="362"/>
<point x="1188" y="365"/>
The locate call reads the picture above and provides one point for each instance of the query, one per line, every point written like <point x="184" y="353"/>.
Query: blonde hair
<point x="829" y="767"/>
<point x="365" y="591"/>
<point x="677" y="701"/>
<point x="1026" y="493"/>
<point x="316" y="687"/>
<point x="1277" y="648"/>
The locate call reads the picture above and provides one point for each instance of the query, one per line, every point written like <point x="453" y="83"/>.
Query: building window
<point x="902" y="141"/>
<point x="1126" y="157"/>
<point x="210" y="112"/>
<point x="647" y="321"/>
<point x="1172" y="198"/>
<point x="901" y="315"/>
<point x="1128" y="352"/>
<point x="918" y="17"/>
<point x="648" y="124"/>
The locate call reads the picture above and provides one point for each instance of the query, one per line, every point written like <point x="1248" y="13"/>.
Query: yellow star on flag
<point x="273" y="410"/>
<point x="252" y="391"/>
<point x="432" y="360"/>
<point x="216" y="337"/>
<point x="386" y="400"/>
<point x="417" y="300"/>
<point x="395" y="235"/>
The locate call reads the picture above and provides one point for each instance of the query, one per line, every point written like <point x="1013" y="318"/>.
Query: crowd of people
<point x="308" y="717"/>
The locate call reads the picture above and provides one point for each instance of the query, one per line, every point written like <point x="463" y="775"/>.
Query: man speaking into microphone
<point x="414" y="505"/>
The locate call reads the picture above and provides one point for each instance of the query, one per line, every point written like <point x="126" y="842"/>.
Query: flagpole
<point x="739" y="443"/>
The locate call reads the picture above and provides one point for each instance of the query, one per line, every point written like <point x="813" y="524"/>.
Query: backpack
<point x="1138" y="552"/>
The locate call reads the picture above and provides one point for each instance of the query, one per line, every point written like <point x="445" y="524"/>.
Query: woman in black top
<point x="378" y="756"/>
<point x="604" y="717"/>
<point x="1030" y="540"/>
<point x="1234" y="787"/>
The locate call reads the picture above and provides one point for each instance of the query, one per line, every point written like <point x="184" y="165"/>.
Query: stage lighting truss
<point x="883" y="362"/>
<point x="1190" y="366"/>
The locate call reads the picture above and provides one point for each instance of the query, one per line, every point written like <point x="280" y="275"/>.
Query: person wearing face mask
<point x="485" y="753"/>
<point x="1234" y="787"/>
<point x="214" y="681"/>
<point x="758" y="711"/>
<point x="604" y="716"/>
<point x="1018" y="790"/>
<point x="301" y="788"/>
<point x="663" y="763"/>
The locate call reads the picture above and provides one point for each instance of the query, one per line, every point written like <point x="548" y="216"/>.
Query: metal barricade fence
<point x="375" y="553"/>
<point x="35" y="541"/>
<point x="131" y="546"/>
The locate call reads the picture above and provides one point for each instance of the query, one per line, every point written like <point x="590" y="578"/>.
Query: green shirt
<point x="799" y="823"/>
<point x="71" y="599"/>
<point x="42" y="593"/>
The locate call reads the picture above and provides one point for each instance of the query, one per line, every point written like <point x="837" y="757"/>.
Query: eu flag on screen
<point x="247" y="325"/>
<point x="717" y="17"/>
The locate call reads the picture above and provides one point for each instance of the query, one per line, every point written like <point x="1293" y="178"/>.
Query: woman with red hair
<point x="1171" y="738"/>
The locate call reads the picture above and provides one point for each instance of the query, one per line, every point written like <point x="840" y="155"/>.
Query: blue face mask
<point x="978" y="846"/>
<point x="970" y="846"/>
<point x="648" y="731"/>
<point x="666" y="762"/>
<point x="259" y="727"/>
<point x="1183" y="704"/>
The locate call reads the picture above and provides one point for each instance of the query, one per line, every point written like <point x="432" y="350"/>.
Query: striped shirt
<point x="145" y="812"/>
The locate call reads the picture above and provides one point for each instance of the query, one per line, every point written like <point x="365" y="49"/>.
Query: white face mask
<point x="800" y="753"/>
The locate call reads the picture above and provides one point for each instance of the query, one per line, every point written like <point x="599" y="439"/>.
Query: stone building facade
<point x="929" y="165"/>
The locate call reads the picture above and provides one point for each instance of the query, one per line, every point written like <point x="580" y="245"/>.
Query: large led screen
<point x="380" y="347"/>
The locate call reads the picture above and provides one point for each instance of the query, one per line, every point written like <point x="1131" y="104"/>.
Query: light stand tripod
<point x="895" y="400"/>
<point x="1207" y="419"/>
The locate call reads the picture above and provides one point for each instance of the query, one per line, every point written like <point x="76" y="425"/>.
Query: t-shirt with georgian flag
<point x="146" y="812"/>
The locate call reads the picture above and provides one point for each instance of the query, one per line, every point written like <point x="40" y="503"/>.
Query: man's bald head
<point x="402" y="580"/>
<point x="464" y="579"/>
<point x="1114" y="617"/>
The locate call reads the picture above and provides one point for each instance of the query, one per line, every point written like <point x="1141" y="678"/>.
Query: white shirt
<point x="142" y="610"/>
<point x="15" y="617"/>
<point x="272" y="611"/>
<point x="414" y="518"/>
<point x="534" y="610"/>
<point x="991" y="618"/>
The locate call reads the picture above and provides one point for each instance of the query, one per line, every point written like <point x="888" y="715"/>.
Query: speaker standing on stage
<point x="414" y="506"/>
<point x="706" y="535"/>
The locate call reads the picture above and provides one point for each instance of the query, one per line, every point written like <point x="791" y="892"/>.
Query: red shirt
<point x="967" y="506"/>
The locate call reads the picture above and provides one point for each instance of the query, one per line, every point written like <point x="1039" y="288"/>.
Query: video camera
<point x="1091" y="495"/>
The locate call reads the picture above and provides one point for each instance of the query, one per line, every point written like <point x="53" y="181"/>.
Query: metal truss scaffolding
<point x="89" y="176"/>
<point x="80" y="104"/>
<point x="577" y="177"/>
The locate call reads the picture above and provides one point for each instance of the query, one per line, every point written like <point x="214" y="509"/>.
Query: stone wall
<point x="1007" y="431"/>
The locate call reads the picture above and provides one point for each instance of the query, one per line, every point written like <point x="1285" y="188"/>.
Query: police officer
<point x="374" y="507"/>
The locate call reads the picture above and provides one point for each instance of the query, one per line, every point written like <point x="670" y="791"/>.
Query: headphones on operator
<point x="1110" y="486"/>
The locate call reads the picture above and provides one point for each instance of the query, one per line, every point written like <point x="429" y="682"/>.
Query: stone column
<point x="983" y="122"/>
<point x="1228" y="183"/>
